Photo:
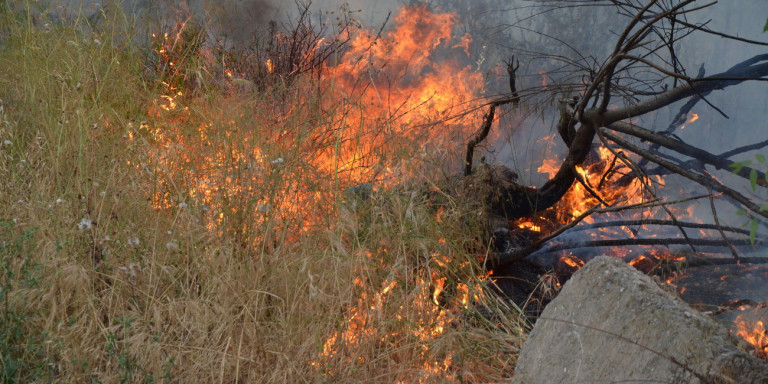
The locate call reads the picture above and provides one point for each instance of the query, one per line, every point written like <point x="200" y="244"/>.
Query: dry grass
<point x="125" y="271"/>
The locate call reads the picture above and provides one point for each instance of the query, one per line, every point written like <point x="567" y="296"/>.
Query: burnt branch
<point x="698" y="178"/>
<point x="508" y="257"/>
<point x="691" y="262"/>
<point x="644" y="222"/>
<point x="484" y="130"/>
<point x="751" y="69"/>
<point x="566" y="125"/>
<point x="512" y="68"/>
<point x="720" y="228"/>
<point x="746" y="148"/>
<point x="681" y="147"/>
<point x="643" y="180"/>
<point x="646" y="242"/>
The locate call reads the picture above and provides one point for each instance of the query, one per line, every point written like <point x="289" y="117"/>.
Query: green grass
<point x="144" y="245"/>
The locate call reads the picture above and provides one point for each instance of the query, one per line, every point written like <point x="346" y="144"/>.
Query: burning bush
<point x="187" y="53"/>
<point x="190" y="232"/>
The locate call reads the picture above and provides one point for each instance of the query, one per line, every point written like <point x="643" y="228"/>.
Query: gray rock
<point x="611" y="324"/>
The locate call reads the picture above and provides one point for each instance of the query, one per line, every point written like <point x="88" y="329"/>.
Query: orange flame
<point x="530" y="225"/>
<point x="600" y="179"/>
<point x="754" y="333"/>
<point x="385" y="94"/>
<point x="692" y="117"/>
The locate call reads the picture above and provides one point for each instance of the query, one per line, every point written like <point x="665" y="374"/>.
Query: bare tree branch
<point x="686" y="149"/>
<point x="699" y="179"/>
<point x="748" y="70"/>
<point x="645" y="242"/>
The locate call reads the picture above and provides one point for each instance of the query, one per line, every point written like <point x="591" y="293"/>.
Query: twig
<point x="644" y="242"/>
<point x="643" y="222"/>
<point x="719" y="228"/>
<point x="585" y="183"/>
<point x="537" y="244"/>
<point x="727" y="36"/>
<point x="510" y="257"/>
<point x="608" y="171"/>
<point x="699" y="179"/>
<point x="511" y="70"/>
<point x="680" y="118"/>
<point x="642" y="178"/>
<point x="699" y="154"/>
<point x="484" y="130"/>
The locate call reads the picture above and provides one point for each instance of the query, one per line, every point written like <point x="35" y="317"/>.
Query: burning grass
<point x="201" y="242"/>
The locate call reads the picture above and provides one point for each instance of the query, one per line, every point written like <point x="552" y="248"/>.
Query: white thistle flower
<point x="84" y="224"/>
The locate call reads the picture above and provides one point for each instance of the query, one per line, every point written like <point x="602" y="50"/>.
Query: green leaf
<point x="753" y="179"/>
<point x="753" y="231"/>
<point x="760" y="158"/>
<point x="741" y="212"/>
<point x="737" y="166"/>
<point x="765" y="29"/>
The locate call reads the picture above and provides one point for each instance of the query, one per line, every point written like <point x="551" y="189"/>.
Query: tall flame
<point x="387" y="95"/>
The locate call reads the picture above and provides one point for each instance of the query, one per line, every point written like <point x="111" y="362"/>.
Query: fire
<point x="530" y="225"/>
<point x="643" y="263"/>
<point x="754" y="333"/>
<point x="429" y="318"/>
<point x="691" y="118"/>
<point x="381" y="98"/>
<point x="384" y="94"/>
<point x="412" y="90"/>
<point x="405" y="81"/>
<point x="550" y="165"/>
<point x="572" y="262"/>
<point x="600" y="176"/>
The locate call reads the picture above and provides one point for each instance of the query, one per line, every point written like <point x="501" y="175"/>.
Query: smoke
<point x="240" y="21"/>
<point x="372" y="13"/>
